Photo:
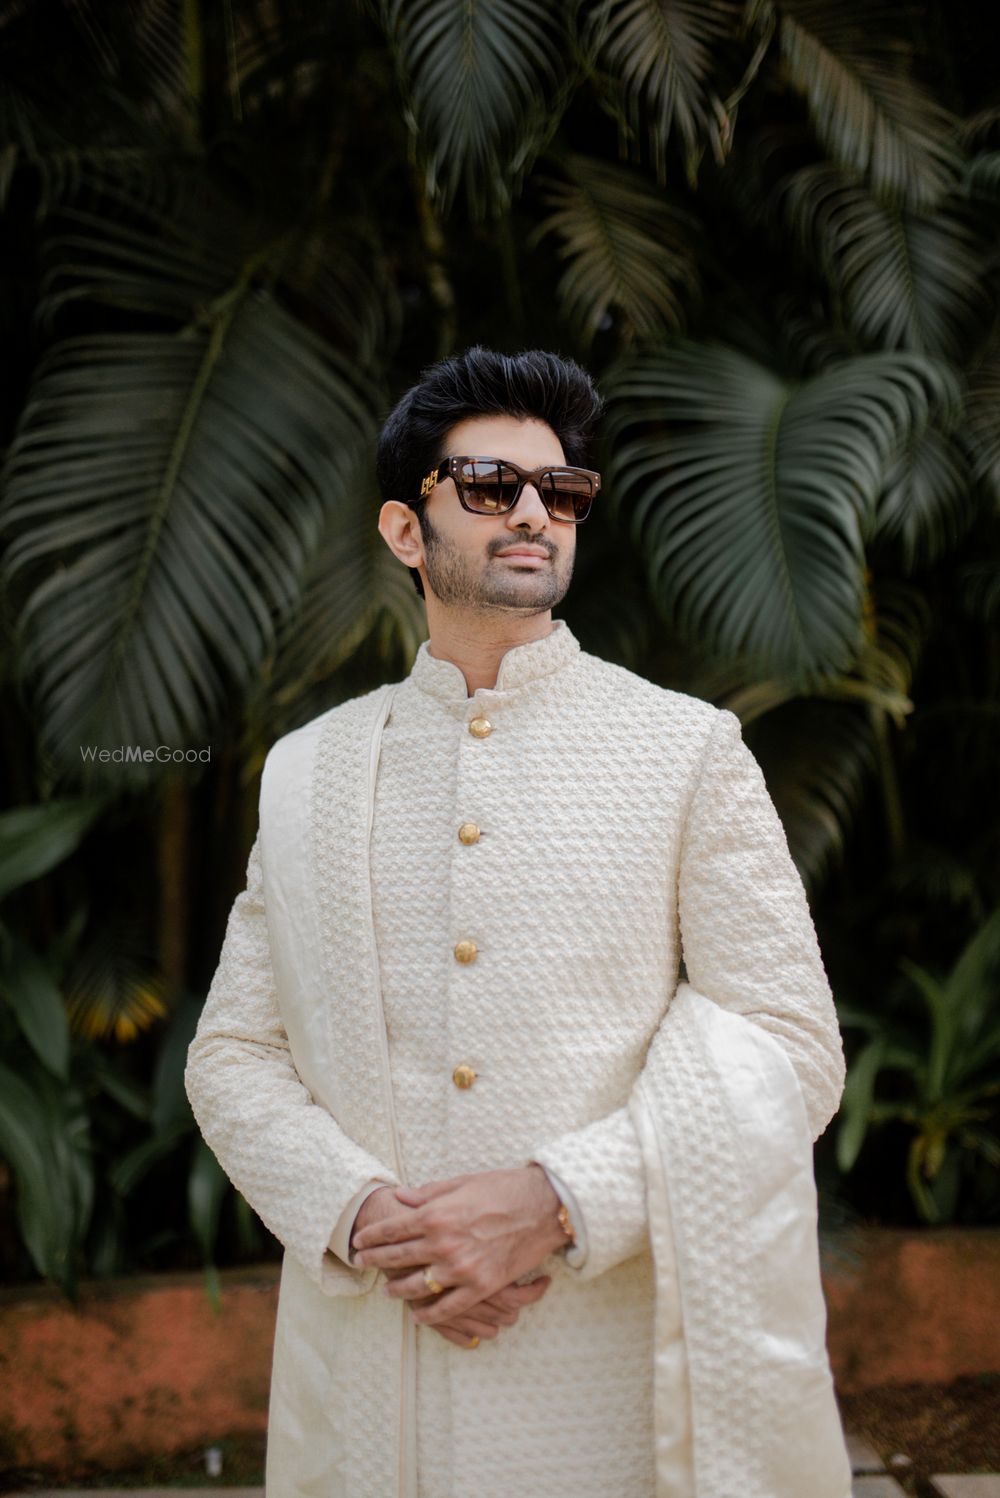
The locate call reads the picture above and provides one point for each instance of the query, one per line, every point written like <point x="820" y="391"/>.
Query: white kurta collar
<point x="519" y="666"/>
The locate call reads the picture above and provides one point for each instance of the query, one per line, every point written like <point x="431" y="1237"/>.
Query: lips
<point x="527" y="554"/>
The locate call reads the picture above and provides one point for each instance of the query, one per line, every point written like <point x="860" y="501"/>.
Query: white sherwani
<point x="617" y="823"/>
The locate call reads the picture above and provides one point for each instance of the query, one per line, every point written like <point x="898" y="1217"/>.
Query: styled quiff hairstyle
<point x="481" y="382"/>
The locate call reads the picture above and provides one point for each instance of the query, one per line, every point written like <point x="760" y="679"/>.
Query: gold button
<point x="465" y="951"/>
<point x="468" y="833"/>
<point x="480" y="727"/>
<point x="463" y="1076"/>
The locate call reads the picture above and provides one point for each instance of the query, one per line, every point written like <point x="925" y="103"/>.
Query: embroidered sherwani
<point x="468" y="973"/>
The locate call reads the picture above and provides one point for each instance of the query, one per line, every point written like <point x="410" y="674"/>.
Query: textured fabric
<point x="431" y="891"/>
<point x="727" y="1148"/>
<point x="599" y="796"/>
<point x="749" y="942"/>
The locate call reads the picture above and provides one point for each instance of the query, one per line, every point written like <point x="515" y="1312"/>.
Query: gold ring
<point x="431" y="1282"/>
<point x="472" y="1344"/>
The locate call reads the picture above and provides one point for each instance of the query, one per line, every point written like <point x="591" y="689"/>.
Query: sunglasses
<point x="492" y="486"/>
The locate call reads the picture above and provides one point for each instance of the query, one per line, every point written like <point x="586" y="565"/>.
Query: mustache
<point x="505" y="544"/>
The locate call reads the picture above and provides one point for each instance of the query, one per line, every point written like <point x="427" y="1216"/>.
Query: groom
<point x="446" y="1057"/>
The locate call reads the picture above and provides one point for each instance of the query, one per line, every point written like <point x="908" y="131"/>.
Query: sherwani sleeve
<point x="749" y="944"/>
<point x="340" y="1238"/>
<point x="284" y="1152"/>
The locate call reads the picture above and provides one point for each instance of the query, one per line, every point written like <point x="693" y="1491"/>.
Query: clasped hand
<point x="476" y="1233"/>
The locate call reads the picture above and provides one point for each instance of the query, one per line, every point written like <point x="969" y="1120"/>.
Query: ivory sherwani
<point x="397" y="1002"/>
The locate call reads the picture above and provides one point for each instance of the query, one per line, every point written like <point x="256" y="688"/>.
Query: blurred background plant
<point x="232" y="237"/>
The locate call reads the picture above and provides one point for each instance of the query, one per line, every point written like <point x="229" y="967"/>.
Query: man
<point x="447" y="1058"/>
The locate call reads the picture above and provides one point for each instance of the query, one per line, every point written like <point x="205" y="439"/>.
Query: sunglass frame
<point x="450" y="468"/>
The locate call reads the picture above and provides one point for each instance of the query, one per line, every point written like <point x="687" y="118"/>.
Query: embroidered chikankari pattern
<point x="621" y="828"/>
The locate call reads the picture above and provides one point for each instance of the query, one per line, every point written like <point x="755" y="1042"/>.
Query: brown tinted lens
<point x="567" y="493"/>
<point x="488" y="487"/>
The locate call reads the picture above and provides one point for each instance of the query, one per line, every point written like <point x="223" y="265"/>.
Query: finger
<point x="494" y="1315"/>
<point x="459" y="1339"/>
<point x="388" y="1230"/>
<point x="394" y="1255"/>
<point x="415" y="1196"/>
<point x="472" y="1326"/>
<point x="522" y="1295"/>
<point x="448" y="1305"/>
<point x="410" y="1287"/>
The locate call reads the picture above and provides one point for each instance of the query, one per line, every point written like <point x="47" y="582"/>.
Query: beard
<point x="463" y="581"/>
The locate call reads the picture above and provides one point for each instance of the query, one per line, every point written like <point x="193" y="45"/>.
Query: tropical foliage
<point x="952" y="1076"/>
<point x="234" y="235"/>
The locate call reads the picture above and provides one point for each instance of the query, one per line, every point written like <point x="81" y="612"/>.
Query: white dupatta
<point x="743" y="1393"/>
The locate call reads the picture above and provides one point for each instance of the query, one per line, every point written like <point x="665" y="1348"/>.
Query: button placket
<point x="468" y="833"/>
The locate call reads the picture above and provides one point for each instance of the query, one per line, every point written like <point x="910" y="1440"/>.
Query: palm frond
<point x="630" y="250"/>
<point x="982" y="417"/>
<point x="112" y="989"/>
<point x="898" y="621"/>
<point x="982" y="177"/>
<point x="163" y="494"/>
<point x="94" y="256"/>
<point x="354" y="589"/>
<point x="927" y="503"/>
<point x="979" y="589"/>
<point x="751" y="498"/>
<point x="817" y="758"/>
<point x="901" y="280"/>
<point x="868" y="111"/>
<point x="485" y="83"/>
<point x="660" y="58"/>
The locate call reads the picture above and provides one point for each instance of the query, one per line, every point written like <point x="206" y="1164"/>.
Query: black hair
<point x="481" y="382"/>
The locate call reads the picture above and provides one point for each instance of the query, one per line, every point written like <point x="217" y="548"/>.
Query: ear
<point x="400" y="530"/>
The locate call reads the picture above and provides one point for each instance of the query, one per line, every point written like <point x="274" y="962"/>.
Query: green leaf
<point x="170" y="1102"/>
<point x="902" y="280"/>
<point x="971" y="994"/>
<point x="355" y="593"/>
<point x="630" y="250"/>
<point x="41" y="1141"/>
<point x="164" y="495"/>
<point x="485" y="82"/>
<point x="133" y="1167"/>
<point x="856" y="1102"/>
<point x="983" y="427"/>
<point x="659" y="59"/>
<point x="207" y="1186"/>
<point x="110" y="987"/>
<point x="116" y="1083"/>
<point x="34" y="839"/>
<point x="750" y="497"/>
<point x="927" y="501"/>
<point x="35" y="997"/>
<point x="248" y="1234"/>
<point x="817" y="758"/>
<point x="941" y="1026"/>
<point x="868" y="112"/>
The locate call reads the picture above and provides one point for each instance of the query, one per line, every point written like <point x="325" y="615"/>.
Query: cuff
<point x="602" y="1164"/>
<point x="576" y="1252"/>
<point x="340" y="1238"/>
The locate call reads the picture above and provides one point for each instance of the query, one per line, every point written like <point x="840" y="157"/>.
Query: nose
<point x="529" y="510"/>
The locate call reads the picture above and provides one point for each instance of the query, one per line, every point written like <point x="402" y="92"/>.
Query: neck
<point x="477" y="643"/>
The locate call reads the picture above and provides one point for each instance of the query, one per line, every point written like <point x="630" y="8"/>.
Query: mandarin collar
<point x="518" y="666"/>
